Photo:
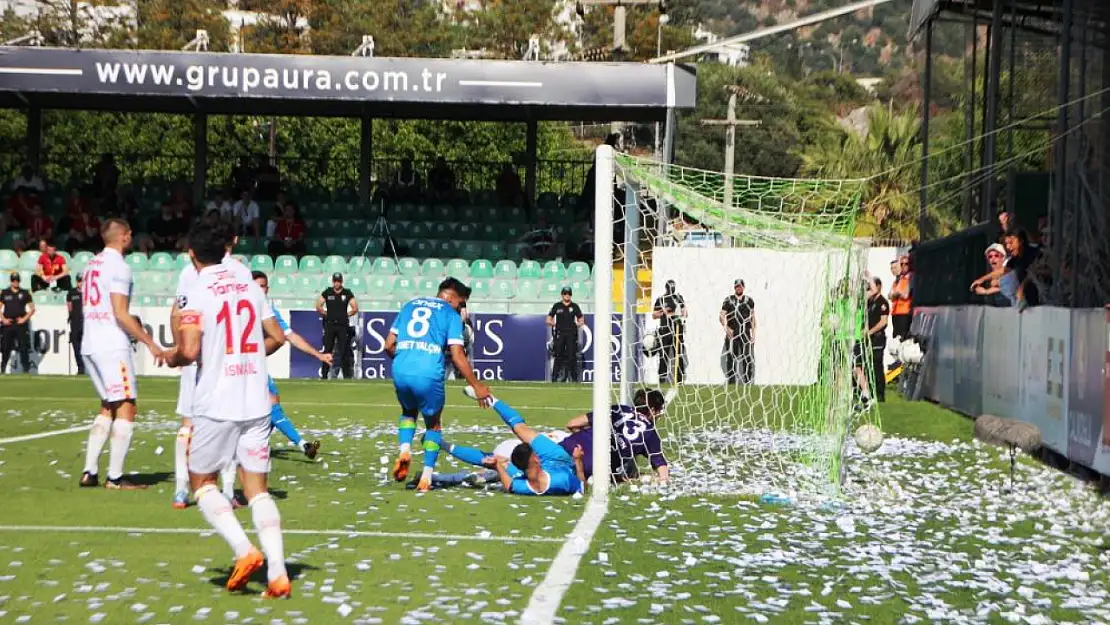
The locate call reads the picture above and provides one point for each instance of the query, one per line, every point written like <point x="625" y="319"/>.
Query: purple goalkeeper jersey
<point x="634" y="435"/>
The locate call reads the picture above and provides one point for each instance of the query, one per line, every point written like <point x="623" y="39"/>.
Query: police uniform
<point x="15" y="336"/>
<point x="337" y="329"/>
<point x="565" y="339"/>
<point x="672" y="336"/>
<point x="739" y="354"/>
<point x="76" y="326"/>
<point x="877" y="308"/>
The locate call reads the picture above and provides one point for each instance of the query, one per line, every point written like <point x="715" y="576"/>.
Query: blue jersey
<point x="425" y="328"/>
<point x="559" y="466"/>
<point x="282" y="323"/>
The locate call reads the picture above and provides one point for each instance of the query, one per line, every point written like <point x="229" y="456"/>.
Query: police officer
<point x="670" y="310"/>
<point x="16" y="310"/>
<point x="737" y="317"/>
<point x="74" y="304"/>
<point x="565" y="318"/>
<point x="337" y="305"/>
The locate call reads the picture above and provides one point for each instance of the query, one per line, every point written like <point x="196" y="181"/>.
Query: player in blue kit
<point x="426" y="328"/>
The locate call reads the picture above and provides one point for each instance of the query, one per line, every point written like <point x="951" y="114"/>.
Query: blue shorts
<point x="273" y="386"/>
<point x="423" y="395"/>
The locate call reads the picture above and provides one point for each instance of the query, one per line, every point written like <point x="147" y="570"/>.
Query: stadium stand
<point x="474" y="240"/>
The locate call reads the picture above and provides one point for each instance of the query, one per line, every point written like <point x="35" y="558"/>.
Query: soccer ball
<point x="868" y="438"/>
<point x="650" y="343"/>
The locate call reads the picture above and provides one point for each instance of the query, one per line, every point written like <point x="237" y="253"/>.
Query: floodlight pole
<point x="730" y="123"/>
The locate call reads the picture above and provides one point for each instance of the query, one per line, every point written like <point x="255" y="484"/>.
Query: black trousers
<point x="672" y="355"/>
<point x="900" y="326"/>
<point x="739" y="360"/>
<point x="61" y="284"/>
<point x="337" y="342"/>
<point x="75" y="335"/>
<point x="878" y="372"/>
<point x="565" y="367"/>
<point x="17" y="337"/>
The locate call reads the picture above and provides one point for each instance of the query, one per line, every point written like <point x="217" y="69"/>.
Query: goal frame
<point x="604" y="175"/>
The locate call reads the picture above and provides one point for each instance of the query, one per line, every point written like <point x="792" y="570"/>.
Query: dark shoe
<point x="88" y="480"/>
<point x="122" y="483"/>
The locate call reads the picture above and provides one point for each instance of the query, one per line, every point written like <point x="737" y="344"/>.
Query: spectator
<point x="541" y="240"/>
<point x="84" y="231"/>
<point x="28" y="180"/>
<point x="289" y="234"/>
<point x="901" y="299"/>
<point x="180" y="204"/>
<point x="39" y="227"/>
<point x="51" y="271"/>
<point x="218" y="203"/>
<point x="245" y="216"/>
<point x="75" y="205"/>
<point x="406" y="183"/>
<point x="242" y="177"/>
<point x="509" y="190"/>
<point x="106" y="178"/>
<point x="19" y="207"/>
<point x="1023" y="257"/>
<point x="212" y="219"/>
<point x="441" y="181"/>
<point x="585" y="251"/>
<point x="127" y="209"/>
<point x="164" y="232"/>
<point x="990" y="285"/>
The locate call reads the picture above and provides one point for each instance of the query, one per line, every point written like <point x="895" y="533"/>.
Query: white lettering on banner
<point x="491" y="329"/>
<point x="375" y="331"/>
<point x="1054" y="387"/>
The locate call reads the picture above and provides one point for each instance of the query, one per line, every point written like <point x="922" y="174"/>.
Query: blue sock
<point x="508" y="414"/>
<point x="406" y="430"/>
<point x="469" y="455"/>
<point x="433" y="439"/>
<point x="284" y="425"/>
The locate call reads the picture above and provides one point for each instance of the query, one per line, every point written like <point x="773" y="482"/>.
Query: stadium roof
<point x="1042" y="16"/>
<point x="321" y="86"/>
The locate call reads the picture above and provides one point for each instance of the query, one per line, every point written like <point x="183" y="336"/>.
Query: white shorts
<point x="216" y="443"/>
<point x="505" y="448"/>
<point x="113" y="374"/>
<point x="185" y="391"/>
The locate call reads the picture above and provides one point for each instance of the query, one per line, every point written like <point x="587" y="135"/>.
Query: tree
<point x="504" y="27"/>
<point x="170" y="24"/>
<point x="400" y="28"/>
<point x="642" y="34"/>
<point x="282" y="27"/>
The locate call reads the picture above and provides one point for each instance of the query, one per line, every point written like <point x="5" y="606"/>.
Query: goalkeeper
<point x="535" y="464"/>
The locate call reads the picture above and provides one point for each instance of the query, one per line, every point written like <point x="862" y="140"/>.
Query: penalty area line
<point x="31" y="437"/>
<point x="96" y="529"/>
<point x="548" y="595"/>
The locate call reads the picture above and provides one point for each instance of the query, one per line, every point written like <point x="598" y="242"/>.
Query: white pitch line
<point x="500" y="83"/>
<point x="549" y="594"/>
<point x="31" y="437"/>
<point x="97" y="529"/>
<point x="42" y="71"/>
<point x="343" y="404"/>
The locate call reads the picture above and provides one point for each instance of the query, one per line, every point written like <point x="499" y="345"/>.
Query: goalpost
<point x="772" y="414"/>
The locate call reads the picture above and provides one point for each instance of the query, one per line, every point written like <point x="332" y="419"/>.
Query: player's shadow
<point x="275" y="493"/>
<point x="294" y="455"/>
<point x="151" y="479"/>
<point x="294" y="569"/>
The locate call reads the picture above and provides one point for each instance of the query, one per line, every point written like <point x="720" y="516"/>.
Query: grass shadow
<point x="150" y="479"/>
<point x="295" y="570"/>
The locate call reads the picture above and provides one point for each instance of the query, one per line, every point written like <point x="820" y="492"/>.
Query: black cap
<point x="737" y="282"/>
<point x="14" y="277"/>
<point x="567" y="291"/>
<point x="337" y="277"/>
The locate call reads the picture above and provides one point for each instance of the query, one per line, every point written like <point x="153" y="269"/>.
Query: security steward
<point x="564" y="319"/>
<point x="74" y="306"/>
<point x="16" y="310"/>
<point x="737" y="317"/>
<point x="670" y="310"/>
<point x="337" y="305"/>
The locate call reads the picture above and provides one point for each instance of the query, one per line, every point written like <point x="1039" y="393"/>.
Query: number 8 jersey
<point x="232" y="377"/>
<point x="425" y="327"/>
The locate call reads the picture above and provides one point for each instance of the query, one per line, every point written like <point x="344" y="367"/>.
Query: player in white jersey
<point x="186" y="281"/>
<point x="106" y="351"/>
<point x="226" y="326"/>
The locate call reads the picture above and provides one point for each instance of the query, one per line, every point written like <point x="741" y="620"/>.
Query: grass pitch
<point x="929" y="535"/>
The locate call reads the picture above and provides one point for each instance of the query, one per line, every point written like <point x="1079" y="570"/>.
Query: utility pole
<point x="730" y="123"/>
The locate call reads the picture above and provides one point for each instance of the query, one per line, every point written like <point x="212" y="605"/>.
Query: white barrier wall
<point x="50" y="328"/>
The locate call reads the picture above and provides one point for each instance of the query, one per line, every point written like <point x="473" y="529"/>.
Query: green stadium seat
<point x="514" y="214"/>
<point x="494" y="250"/>
<point x="148" y="300"/>
<point x="241" y="258"/>
<point x="470" y="214"/>
<point x="247" y="246"/>
<point x="512" y="232"/>
<point x="419" y="230"/>
<point x="180" y="261"/>
<point x="349" y="246"/>
<point x="305" y="286"/>
<point x="529" y="269"/>
<point x="489" y="231"/>
<point x="346" y="210"/>
<point x="262" y="262"/>
<point x="80" y="259"/>
<point x="427" y="287"/>
<point x="466" y="230"/>
<point x="443" y="212"/>
<point x="359" y="284"/>
<point x="547" y="201"/>
<point x="505" y="269"/>
<point x="529" y="308"/>
<point x="502" y="289"/>
<point x="372" y="247"/>
<point x="442" y="230"/>
<point x="405" y="287"/>
<point x="161" y="261"/>
<point x="160" y="282"/>
<point x="281" y="285"/>
<point x="318" y="246"/>
<point x="408" y="267"/>
<point x="381" y="285"/>
<point x="489" y="306"/>
<point x="554" y="270"/>
<point x="528" y="289"/>
<point x="470" y="249"/>
<point x="571" y="202"/>
<point x="583" y="290"/>
<point x="28" y="261"/>
<point x="422" y="248"/>
<point x="384" y="266"/>
<point x="385" y="305"/>
<point x="481" y="268"/>
<point x="457" y="268"/>
<point x="334" y="264"/>
<point x="480" y="289"/>
<point x="446" y="249"/>
<point x="136" y="260"/>
<point x="358" y="266"/>
<point x="432" y="267"/>
<point x="310" y="264"/>
<point x="8" y="260"/>
<point x="421" y="212"/>
<point x="286" y="263"/>
<point x="551" y="290"/>
<point x="578" y="271"/>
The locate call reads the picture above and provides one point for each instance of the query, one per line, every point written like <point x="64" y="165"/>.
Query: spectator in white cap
<point x="991" y="285"/>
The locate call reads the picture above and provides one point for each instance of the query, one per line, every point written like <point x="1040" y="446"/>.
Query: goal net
<point x="742" y="301"/>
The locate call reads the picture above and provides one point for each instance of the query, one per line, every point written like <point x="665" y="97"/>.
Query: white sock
<point x="406" y="448"/>
<point x="427" y="473"/>
<point x="181" y="458"/>
<point x="98" y="436"/>
<point x="227" y="479"/>
<point x="217" y="511"/>
<point x="118" y="446"/>
<point x="267" y="522"/>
